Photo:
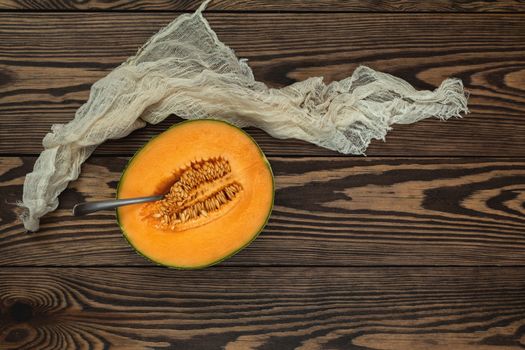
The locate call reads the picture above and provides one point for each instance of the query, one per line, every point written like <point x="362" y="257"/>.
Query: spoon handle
<point x="91" y="207"/>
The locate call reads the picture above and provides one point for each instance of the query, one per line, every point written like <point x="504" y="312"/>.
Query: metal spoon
<point x="91" y="207"/>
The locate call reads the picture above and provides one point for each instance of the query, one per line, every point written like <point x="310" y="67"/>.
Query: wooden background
<point x="420" y="245"/>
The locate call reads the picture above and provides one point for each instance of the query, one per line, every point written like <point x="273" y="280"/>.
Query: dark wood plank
<point x="49" y="61"/>
<point x="270" y="5"/>
<point x="328" y="211"/>
<point x="261" y="308"/>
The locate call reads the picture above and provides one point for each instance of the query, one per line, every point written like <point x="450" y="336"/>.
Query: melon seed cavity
<point x="202" y="192"/>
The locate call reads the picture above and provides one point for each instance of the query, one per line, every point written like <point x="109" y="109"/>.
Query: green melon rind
<point x="128" y="240"/>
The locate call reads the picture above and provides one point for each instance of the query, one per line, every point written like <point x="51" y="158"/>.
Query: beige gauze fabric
<point x="186" y="70"/>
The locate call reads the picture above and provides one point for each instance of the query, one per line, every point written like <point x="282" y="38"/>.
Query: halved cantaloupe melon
<point x="219" y="189"/>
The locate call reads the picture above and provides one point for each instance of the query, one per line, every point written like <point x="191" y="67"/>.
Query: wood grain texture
<point x="360" y="253"/>
<point x="271" y="5"/>
<point x="328" y="211"/>
<point x="263" y="308"/>
<point x="49" y="61"/>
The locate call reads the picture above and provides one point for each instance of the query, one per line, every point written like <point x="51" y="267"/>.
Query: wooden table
<point x="420" y="245"/>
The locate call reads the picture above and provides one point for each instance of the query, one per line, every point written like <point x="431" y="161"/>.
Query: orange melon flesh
<point x="154" y="165"/>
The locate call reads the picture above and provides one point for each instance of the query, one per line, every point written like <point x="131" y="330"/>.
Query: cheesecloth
<point x="186" y="70"/>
